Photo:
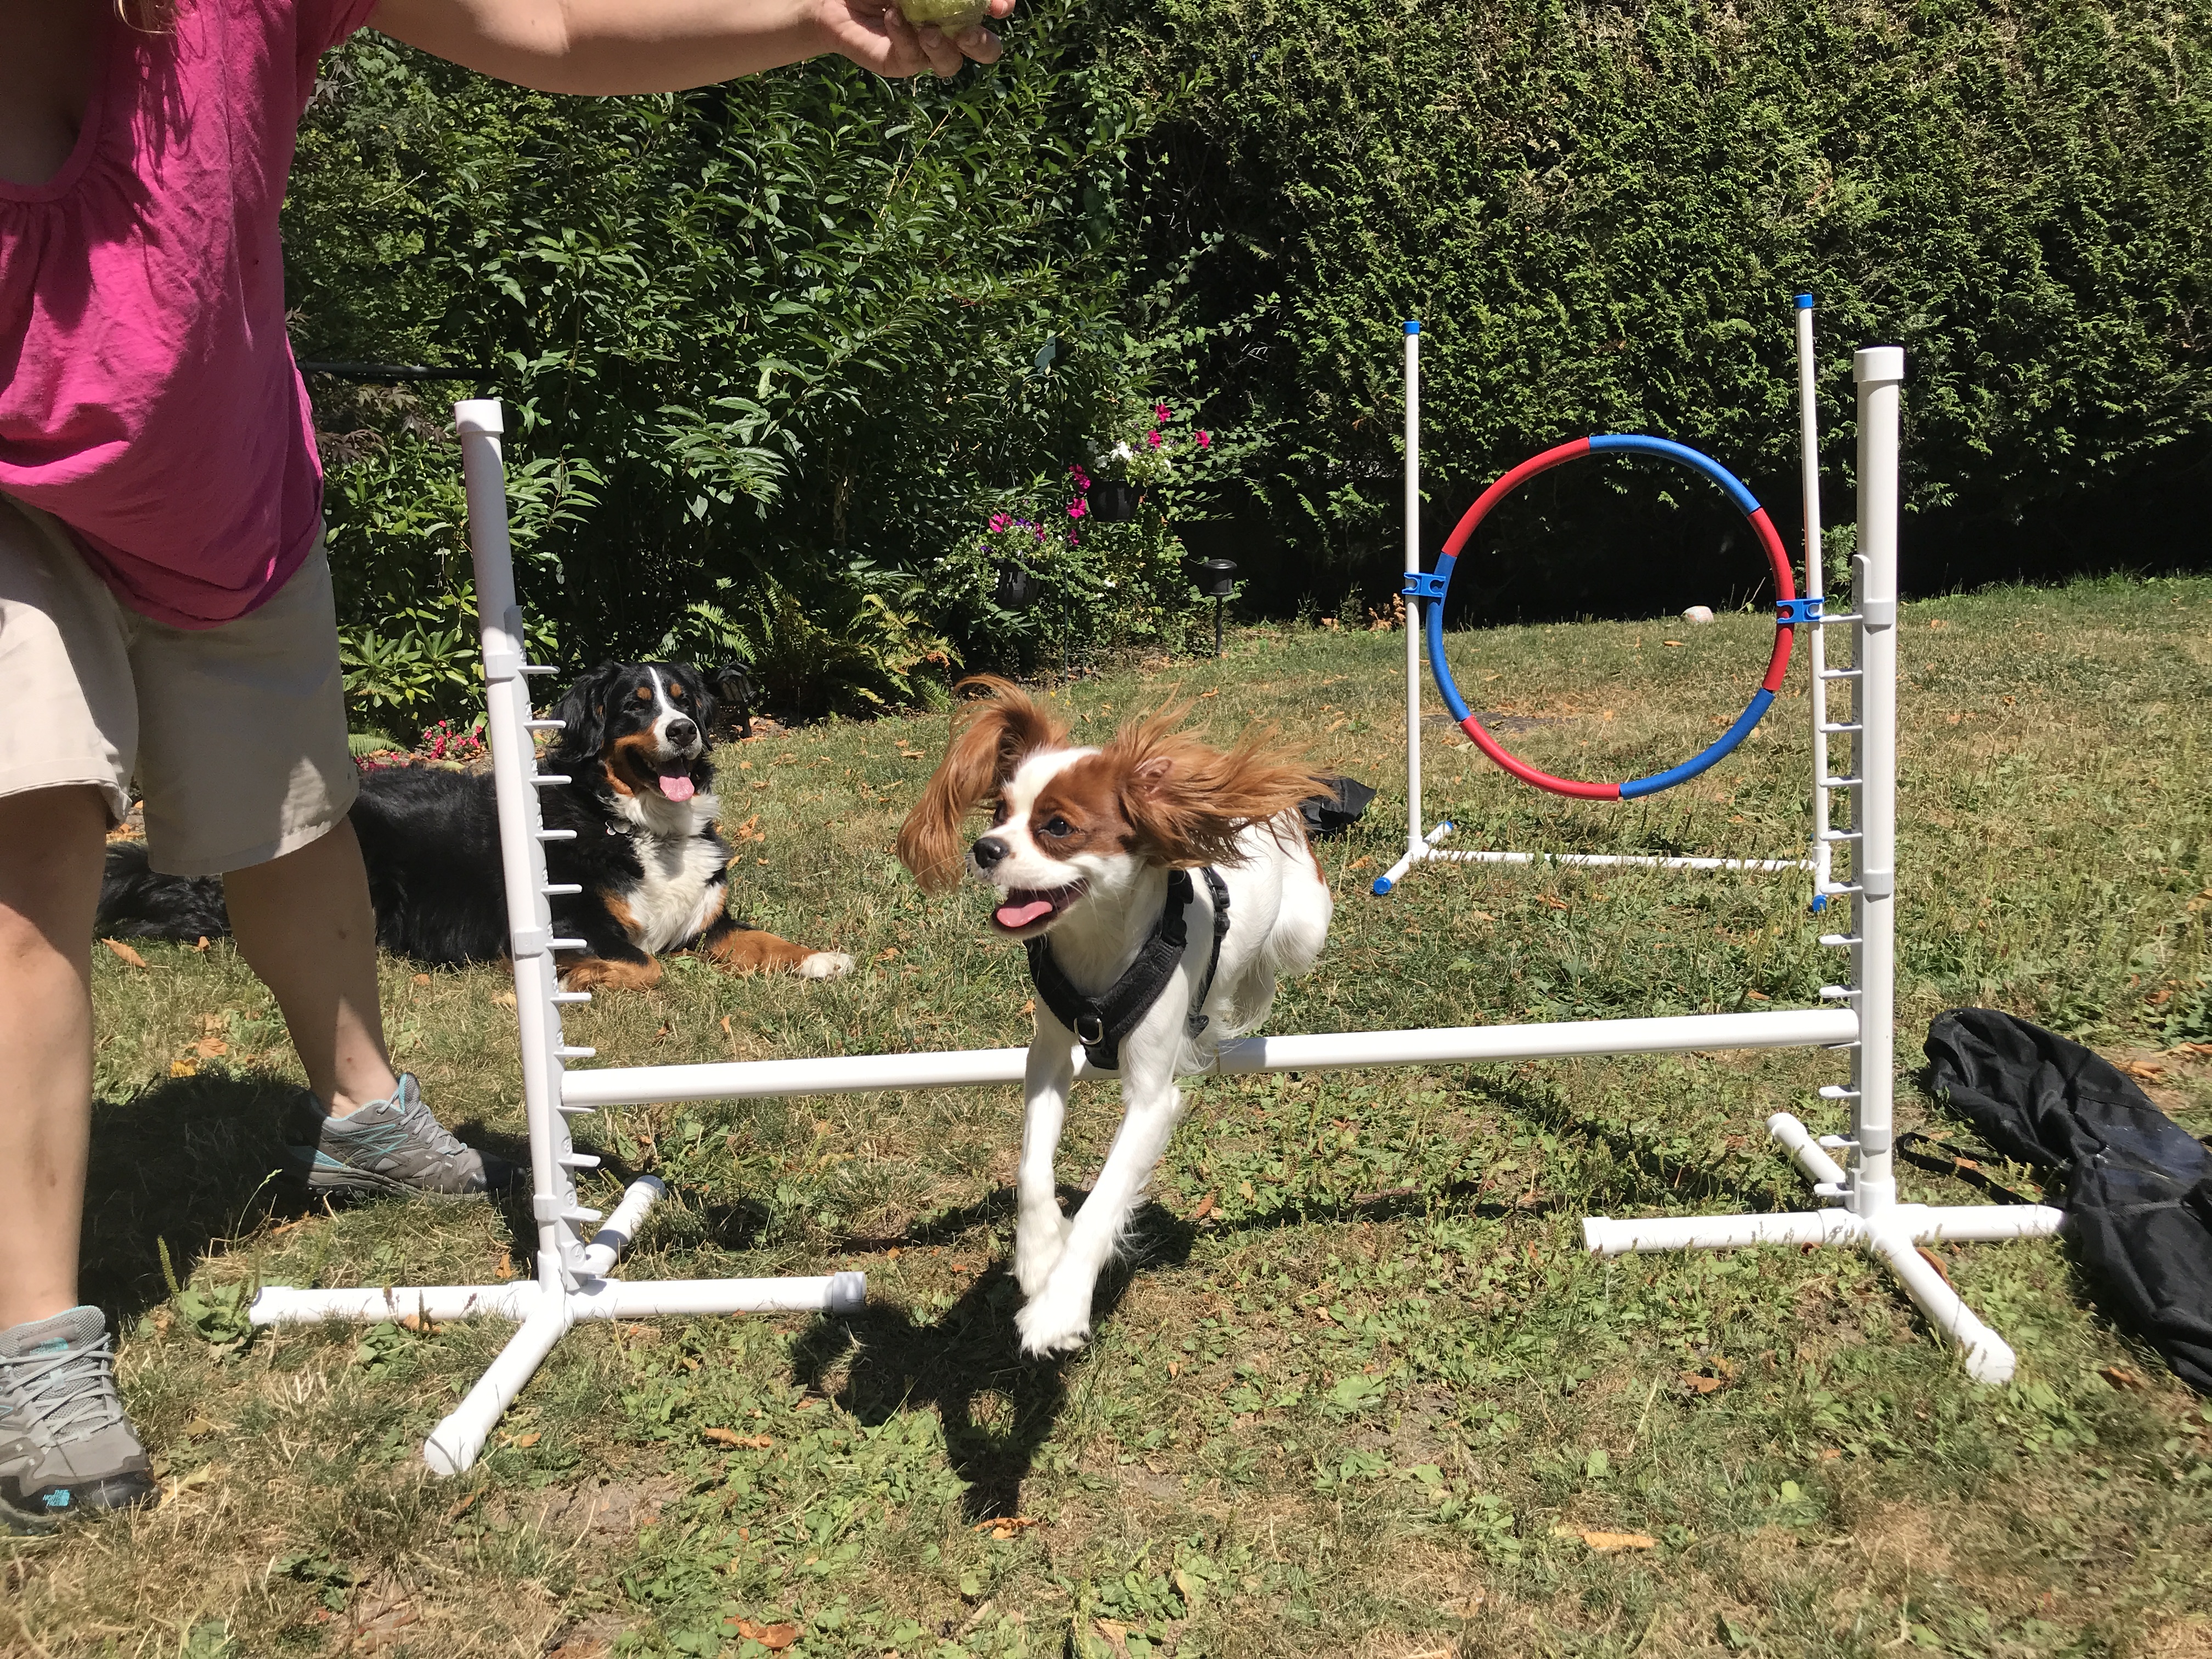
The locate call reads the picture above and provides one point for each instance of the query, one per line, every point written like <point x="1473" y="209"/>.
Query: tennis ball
<point x="950" y="16"/>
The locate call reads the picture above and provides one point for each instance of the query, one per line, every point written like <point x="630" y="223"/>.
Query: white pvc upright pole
<point x="1816" y="644"/>
<point x="553" y="1158"/>
<point x="1415" y="845"/>
<point x="1879" y="371"/>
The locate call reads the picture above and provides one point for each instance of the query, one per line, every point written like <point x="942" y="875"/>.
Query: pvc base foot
<point x="1894" y="1233"/>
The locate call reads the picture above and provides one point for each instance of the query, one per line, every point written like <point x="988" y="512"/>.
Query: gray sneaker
<point x="65" y="1446"/>
<point x="391" y="1146"/>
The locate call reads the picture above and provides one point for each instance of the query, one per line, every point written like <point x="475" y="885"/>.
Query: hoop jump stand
<point x="571" y="1281"/>
<point x="1425" y="849"/>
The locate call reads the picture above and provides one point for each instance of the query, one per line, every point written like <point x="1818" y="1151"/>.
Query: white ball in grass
<point x="1698" y="613"/>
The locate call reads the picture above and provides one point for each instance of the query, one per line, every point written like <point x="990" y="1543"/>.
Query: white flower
<point x="1121" y="453"/>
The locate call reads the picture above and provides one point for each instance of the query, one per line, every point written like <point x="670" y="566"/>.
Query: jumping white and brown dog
<point x="1092" y="852"/>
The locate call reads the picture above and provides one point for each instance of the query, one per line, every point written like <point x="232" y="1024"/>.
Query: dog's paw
<point x="1037" y="1250"/>
<point x="825" y="965"/>
<point x="1055" y="1322"/>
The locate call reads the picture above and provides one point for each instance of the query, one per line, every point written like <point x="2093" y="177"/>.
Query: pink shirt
<point x="148" y="396"/>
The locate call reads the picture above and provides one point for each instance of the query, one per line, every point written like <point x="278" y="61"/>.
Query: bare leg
<point x="1057" y="1320"/>
<point x="1040" y="1229"/>
<point x="304" y="924"/>
<point x="54" y="842"/>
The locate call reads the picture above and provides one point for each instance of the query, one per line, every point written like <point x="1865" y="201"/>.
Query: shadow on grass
<point x="997" y="1406"/>
<point x="193" y="1163"/>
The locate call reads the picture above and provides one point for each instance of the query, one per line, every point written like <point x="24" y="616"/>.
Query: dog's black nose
<point x="683" y="734"/>
<point x="988" y="851"/>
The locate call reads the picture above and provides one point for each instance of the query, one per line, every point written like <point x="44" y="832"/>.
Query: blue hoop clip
<point x="1789" y="612"/>
<point x="1426" y="584"/>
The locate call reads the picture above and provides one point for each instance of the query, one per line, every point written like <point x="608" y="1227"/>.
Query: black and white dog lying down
<point x="652" y="869"/>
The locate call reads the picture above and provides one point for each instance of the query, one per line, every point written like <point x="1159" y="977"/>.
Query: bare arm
<point x="607" y="46"/>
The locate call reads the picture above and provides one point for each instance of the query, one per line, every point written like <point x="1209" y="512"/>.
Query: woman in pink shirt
<point x="166" y="612"/>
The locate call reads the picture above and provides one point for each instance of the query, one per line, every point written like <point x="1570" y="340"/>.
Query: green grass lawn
<point x="1359" y="1390"/>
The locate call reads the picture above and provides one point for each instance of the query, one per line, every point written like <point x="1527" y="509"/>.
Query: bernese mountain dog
<point x="651" y="872"/>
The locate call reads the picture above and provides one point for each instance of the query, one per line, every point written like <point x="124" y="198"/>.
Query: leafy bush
<point x="768" y="350"/>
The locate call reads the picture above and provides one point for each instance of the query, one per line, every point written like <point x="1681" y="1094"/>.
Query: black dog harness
<point x="1101" y="1022"/>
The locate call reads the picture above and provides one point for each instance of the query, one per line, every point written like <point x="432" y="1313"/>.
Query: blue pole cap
<point x="1412" y="327"/>
<point x="1804" y="303"/>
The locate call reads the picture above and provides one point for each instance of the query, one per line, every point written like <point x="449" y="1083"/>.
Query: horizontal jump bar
<point x="1780" y="1028"/>
<point x="1643" y="860"/>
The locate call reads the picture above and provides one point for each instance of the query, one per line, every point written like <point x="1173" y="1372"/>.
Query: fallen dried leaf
<point x="1549" y="902"/>
<point x="505" y="1267"/>
<point x="1700" y="1384"/>
<point x="466" y="1504"/>
<point x="199" y="1428"/>
<point x="525" y="1441"/>
<point x="203" y="944"/>
<point x="1608" y="1543"/>
<point x="1205" y="1208"/>
<point x="2121" y="1378"/>
<point x="1830" y="1453"/>
<point x="421" y="979"/>
<point x="774" y="1637"/>
<point x="1934" y="1261"/>
<point x="2143" y="1072"/>
<point x="183" y="1068"/>
<point x="731" y="1437"/>
<point x="125" y="953"/>
<point x="210" y="1047"/>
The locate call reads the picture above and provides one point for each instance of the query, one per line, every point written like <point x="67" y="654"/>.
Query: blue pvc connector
<point x="1412" y="326"/>
<point x="1804" y="303"/>
<point x="1819" y="903"/>
<point x="1641" y="443"/>
<point x="1382" y="885"/>
<point x="1425" y="585"/>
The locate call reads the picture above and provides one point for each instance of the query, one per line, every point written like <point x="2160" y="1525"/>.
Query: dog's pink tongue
<point x="677" y="787"/>
<point x="1021" y="916"/>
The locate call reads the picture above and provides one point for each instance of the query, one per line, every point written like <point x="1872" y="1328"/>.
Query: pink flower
<point x="1160" y="412"/>
<point x="999" y="521"/>
<point x="1153" y="439"/>
<point x="1206" y="440"/>
<point x="1076" y="509"/>
<point x="1082" y="478"/>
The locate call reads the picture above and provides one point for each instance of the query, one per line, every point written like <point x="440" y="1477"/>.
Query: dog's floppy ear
<point x="583" y="712"/>
<point x="992" y="733"/>
<point x="1188" y="803"/>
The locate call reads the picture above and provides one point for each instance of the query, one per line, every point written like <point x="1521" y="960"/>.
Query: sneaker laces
<point x="69" y="1395"/>
<point x="416" y="1115"/>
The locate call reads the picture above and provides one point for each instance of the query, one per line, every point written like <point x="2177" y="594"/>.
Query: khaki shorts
<point x="236" y="734"/>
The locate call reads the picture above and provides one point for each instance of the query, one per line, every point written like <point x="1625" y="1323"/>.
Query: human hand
<point x="874" y="35"/>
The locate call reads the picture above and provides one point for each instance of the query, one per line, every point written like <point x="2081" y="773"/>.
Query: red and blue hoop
<point x="1431" y="587"/>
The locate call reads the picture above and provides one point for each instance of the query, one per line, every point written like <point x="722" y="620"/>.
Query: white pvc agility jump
<point x="1868" y="1213"/>
<point x="1425" y="849"/>
<point x="571" y="1280"/>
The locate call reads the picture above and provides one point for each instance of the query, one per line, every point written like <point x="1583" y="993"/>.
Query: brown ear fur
<point x="1188" y="803"/>
<point x="992" y="732"/>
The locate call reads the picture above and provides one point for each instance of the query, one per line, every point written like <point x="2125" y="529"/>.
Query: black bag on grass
<point x="1339" y="810"/>
<point x="2138" y="1186"/>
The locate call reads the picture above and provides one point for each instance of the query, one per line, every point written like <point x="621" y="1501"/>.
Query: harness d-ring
<point x="1431" y="587"/>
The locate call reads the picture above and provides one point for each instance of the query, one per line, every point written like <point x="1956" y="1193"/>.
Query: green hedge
<point x="772" y="354"/>
<point x="1600" y="212"/>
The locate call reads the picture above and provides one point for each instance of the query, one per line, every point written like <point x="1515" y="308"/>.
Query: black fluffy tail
<point x="138" y="902"/>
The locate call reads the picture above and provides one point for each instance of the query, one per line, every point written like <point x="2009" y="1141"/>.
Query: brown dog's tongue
<point x="677" y="787"/>
<point x="1021" y="916"/>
